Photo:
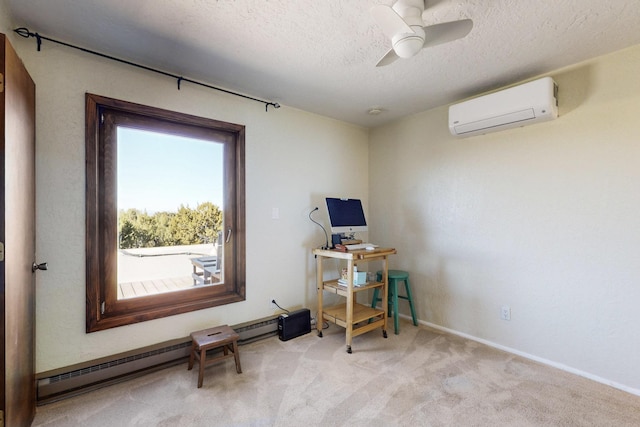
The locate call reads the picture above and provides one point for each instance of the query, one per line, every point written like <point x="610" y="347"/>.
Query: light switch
<point x="275" y="213"/>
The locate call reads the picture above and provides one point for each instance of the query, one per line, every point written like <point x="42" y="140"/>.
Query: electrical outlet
<point x="505" y="312"/>
<point x="272" y="303"/>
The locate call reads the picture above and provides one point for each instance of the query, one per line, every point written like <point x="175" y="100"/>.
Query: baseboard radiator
<point x="70" y="381"/>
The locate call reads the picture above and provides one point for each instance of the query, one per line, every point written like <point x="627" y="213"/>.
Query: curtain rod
<point x="24" y="32"/>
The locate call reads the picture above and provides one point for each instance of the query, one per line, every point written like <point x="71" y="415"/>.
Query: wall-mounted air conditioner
<point x="529" y="103"/>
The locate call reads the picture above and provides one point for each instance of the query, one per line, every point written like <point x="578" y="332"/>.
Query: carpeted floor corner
<point x="420" y="377"/>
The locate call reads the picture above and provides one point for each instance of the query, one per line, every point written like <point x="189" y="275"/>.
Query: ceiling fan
<point x="402" y="23"/>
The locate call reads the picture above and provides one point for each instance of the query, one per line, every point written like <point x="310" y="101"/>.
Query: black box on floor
<point x="294" y="324"/>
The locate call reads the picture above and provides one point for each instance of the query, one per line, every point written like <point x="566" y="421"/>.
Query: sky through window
<point x="159" y="172"/>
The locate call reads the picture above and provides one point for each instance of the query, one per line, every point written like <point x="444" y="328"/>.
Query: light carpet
<point x="420" y="377"/>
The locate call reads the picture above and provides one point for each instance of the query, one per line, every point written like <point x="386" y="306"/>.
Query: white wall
<point x="544" y="219"/>
<point x="293" y="160"/>
<point x="5" y="20"/>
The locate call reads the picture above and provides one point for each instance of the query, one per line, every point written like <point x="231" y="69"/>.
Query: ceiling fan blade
<point x="446" y="32"/>
<point x="390" y="22"/>
<point x="388" y="58"/>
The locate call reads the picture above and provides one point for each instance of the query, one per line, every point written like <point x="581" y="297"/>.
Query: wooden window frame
<point x="103" y="309"/>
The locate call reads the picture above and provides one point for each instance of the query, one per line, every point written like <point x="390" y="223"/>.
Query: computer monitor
<point x="346" y="215"/>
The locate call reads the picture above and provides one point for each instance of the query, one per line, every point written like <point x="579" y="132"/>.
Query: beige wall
<point x="4" y="18"/>
<point x="293" y="159"/>
<point x="543" y="218"/>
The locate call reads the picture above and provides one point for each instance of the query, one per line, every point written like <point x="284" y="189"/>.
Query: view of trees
<point x="188" y="226"/>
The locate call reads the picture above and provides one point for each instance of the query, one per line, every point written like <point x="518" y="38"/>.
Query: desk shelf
<point x="355" y="318"/>
<point x="332" y="286"/>
<point x="374" y="317"/>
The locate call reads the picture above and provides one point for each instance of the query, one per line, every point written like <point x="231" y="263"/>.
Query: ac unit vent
<point x="528" y="103"/>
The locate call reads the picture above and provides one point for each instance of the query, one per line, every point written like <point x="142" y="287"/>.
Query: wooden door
<point x="17" y="235"/>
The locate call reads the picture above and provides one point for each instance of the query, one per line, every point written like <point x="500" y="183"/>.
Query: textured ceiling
<point x="320" y="55"/>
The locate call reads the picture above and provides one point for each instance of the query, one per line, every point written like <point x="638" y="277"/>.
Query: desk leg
<point x="385" y="295"/>
<point x="319" y="278"/>
<point x="349" y="305"/>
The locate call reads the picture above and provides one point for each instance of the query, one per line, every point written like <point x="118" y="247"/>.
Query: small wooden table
<point x="209" y="267"/>
<point x="207" y="339"/>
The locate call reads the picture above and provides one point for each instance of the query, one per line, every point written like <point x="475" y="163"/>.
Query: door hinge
<point x="102" y="307"/>
<point x="1" y="251"/>
<point x="1" y="418"/>
<point x="101" y="119"/>
<point x="1" y="82"/>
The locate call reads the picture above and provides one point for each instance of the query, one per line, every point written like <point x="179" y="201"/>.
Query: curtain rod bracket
<point x="273" y="104"/>
<point x="24" y="32"/>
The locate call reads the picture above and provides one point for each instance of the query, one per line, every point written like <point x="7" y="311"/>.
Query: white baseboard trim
<point x="544" y="361"/>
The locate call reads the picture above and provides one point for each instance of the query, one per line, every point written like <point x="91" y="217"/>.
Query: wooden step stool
<point x="207" y="339"/>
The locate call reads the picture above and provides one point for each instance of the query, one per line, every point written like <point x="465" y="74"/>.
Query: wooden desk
<point x="356" y="318"/>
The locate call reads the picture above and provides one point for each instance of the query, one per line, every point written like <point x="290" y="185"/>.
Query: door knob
<point x="41" y="266"/>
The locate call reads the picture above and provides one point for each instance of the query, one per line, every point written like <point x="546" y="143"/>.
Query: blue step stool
<point x="395" y="276"/>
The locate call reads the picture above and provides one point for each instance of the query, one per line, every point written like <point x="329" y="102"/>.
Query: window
<point x="204" y="238"/>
